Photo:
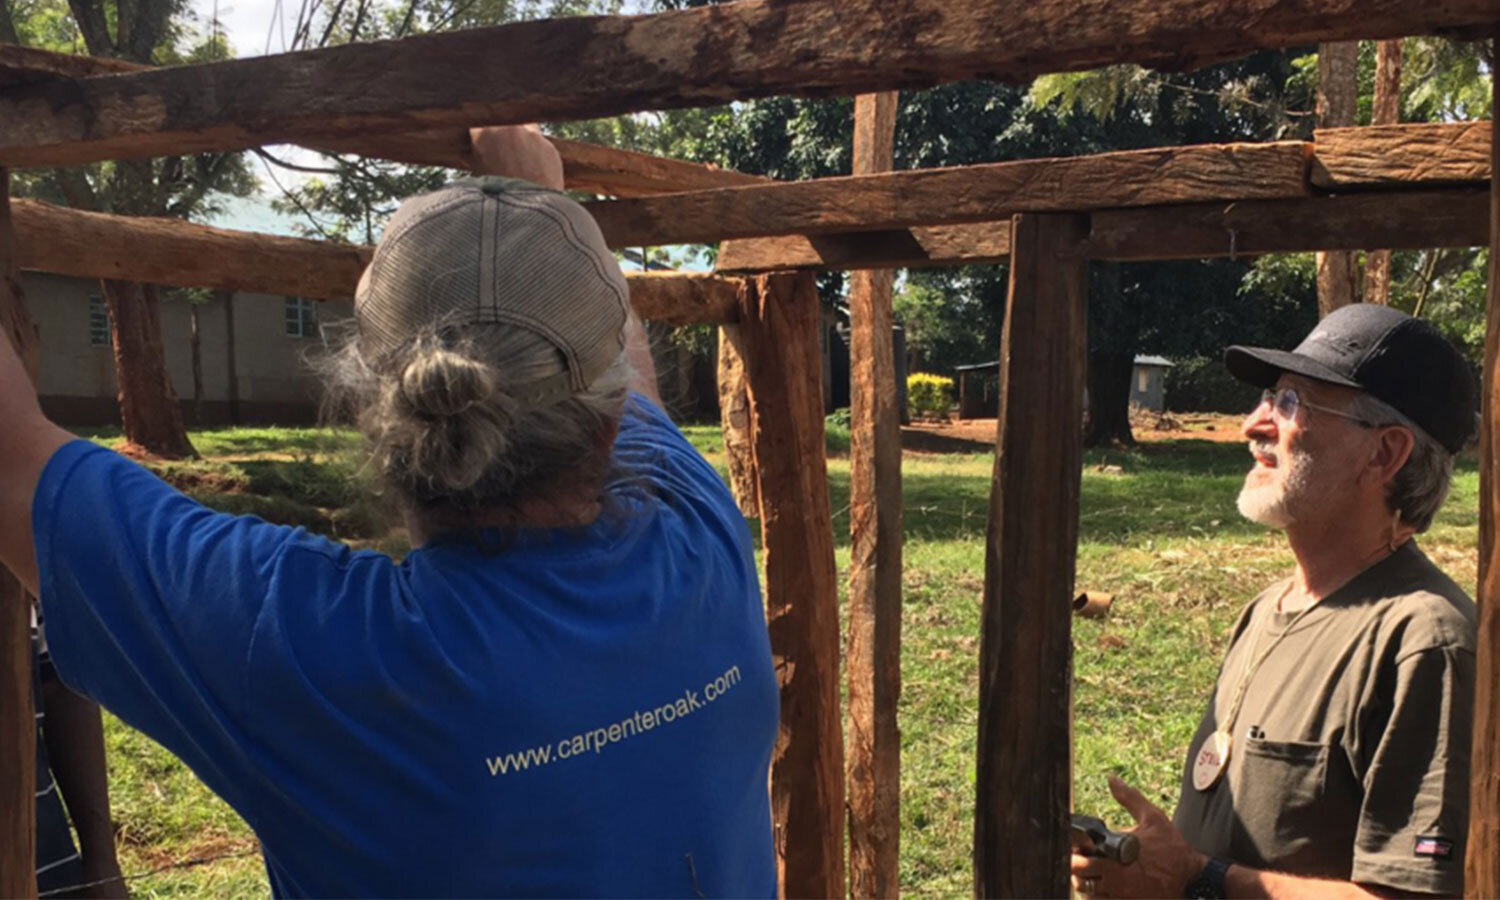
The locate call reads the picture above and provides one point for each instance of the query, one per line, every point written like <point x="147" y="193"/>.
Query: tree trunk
<point x="1387" y="111"/>
<point x="1338" y="69"/>
<point x="197" y="344"/>
<point x="7" y="24"/>
<point x="230" y="365"/>
<point x="1109" y="399"/>
<point x="149" y="414"/>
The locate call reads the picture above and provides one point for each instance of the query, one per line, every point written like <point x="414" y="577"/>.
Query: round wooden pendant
<point x="1212" y="759"/>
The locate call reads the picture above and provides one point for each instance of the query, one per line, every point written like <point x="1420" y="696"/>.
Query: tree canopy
<point x="953" y="316"/>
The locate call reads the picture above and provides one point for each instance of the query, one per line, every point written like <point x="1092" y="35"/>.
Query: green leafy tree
<point x="1443" y="80"/>
<point x="151" y="32"/>
<point x="347" y="198"/>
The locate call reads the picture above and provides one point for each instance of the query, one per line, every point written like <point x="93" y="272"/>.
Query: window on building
<point x="301" y="317"/>
<point x="1142" y="380"/>
<point x="98" y="322"/>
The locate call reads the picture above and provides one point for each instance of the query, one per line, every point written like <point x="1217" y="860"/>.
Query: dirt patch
<point x="197" y="480"/>
<point x="967" y="436"/>
<point x="1216" y="427"/>
<point x="207" y="848"/>
<point x="133" y="451"/>
<point x="978" y="435"/>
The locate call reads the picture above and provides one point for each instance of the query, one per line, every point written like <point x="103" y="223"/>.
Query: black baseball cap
<point x="1384" y="352"/>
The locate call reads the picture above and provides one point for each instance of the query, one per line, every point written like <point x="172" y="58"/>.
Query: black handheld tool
<point x="1091" y="837"/>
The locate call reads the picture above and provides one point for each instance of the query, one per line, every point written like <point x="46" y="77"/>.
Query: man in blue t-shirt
<point x="565" y="689"/>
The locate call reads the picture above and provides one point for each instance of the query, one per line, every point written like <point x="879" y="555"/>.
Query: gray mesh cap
<point x="497" y="251"/>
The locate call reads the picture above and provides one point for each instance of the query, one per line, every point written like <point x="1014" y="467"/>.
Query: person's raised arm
<point x="27" y="440"/>
<point x="522" y="151"/>
<point x="517" y="151"/>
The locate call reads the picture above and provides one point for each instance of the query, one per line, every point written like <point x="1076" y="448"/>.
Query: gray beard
<point x="1280" y="503"/>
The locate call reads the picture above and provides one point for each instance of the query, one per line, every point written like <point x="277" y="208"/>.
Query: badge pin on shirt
<point x="1212" y="759"/>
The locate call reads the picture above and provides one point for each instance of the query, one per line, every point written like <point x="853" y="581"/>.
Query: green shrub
<point x="1202" y="384"/>
<point x="928" y="394"/>
<point x="836" y="432"/>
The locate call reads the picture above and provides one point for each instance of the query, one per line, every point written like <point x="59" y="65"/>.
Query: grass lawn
<point x="1158" y="529"/>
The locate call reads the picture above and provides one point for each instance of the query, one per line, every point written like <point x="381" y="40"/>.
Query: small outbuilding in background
<point x="1148" y="383"/>
<point x="978" y="394"/>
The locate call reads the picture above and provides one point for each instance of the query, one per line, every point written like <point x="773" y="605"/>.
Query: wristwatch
<point x="1209" y="885"/>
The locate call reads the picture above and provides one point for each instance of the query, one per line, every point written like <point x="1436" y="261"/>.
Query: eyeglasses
<point x="1285" y="402"/>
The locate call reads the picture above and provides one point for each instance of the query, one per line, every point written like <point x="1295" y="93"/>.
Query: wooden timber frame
<point x="1392" y="187"/>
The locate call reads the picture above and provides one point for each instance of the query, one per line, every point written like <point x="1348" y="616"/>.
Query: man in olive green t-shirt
<point x="1333" y="758"/>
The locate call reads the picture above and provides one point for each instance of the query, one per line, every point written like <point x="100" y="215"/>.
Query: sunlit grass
<point x="1158" y="529"/>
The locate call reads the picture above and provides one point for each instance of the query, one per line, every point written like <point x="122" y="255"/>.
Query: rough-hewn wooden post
<point x="779" y="319"/>
<point x="1482" y="868"/>
<point x="1386" y="110"/>
<point x="1338" y="65"/>
<point x="1024" y="769"/>
<point x="734" y="422"/>
<point x="17" y="723"/>
<point x="874" y="646"/>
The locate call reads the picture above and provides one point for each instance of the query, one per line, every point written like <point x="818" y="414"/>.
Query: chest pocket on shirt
<point x="1292" y="814"/>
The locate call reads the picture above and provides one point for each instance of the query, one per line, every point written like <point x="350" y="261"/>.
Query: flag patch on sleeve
<point x="1433" y="847"/>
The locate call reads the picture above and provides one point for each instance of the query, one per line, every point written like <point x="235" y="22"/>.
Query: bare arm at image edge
<point x="522" y="151"/>
<point x="26" y="443"/>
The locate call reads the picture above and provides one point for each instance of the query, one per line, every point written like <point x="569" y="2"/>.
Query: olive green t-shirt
<point x="1350" y="755"/>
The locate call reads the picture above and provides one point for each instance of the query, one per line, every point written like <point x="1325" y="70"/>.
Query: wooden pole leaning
<point x="1024" y="754"/>
<point x="778" y="326"/>
<point x="17" y="720"/>
<point x="1482" y="866"/>
<point x="874" y="645"/>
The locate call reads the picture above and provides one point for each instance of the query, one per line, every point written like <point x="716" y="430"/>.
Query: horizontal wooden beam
<point x="182" y="254"/>
<point x="26" y="65"/>
<point x="625" y="173"/>
<point x="586" y="167"/>
<point x="1448" y="217"/>
<point x="1395" y="155"/>
<point x="1451" y="217"/>
<point x="902" y="248"/>
<point x="590" y="168"/>
<point x="593" y="66"/>
<point x="1156" y="176"/>
<point x="685" y="298"/>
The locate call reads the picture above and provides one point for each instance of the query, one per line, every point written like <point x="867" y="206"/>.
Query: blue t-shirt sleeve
<point x="151" y="599"/>
<point x="650" y="445"/>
